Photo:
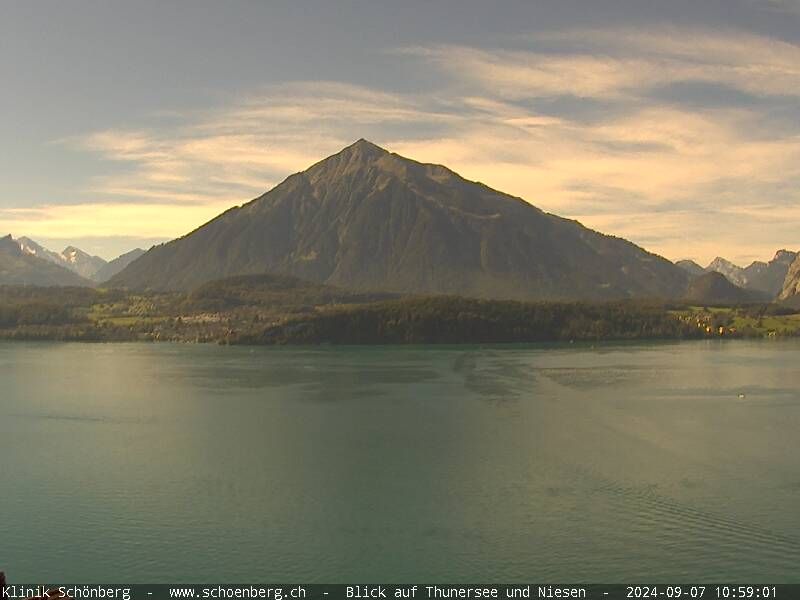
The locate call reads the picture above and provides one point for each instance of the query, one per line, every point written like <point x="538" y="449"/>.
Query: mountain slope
<point x="18" y="267"/>
<point x="368" y="219"/>
<point x="113" y="267"/>
<point x="791" y="285"/>
<point x="714" y="288"/>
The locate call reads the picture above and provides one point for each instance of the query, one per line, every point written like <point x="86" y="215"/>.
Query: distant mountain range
<point x="25" y="261"/>
<point x="72" y="258"/>
<point x="368" y="219"/>
<point x="18" y="267"/>
<point x="767" y="277"/>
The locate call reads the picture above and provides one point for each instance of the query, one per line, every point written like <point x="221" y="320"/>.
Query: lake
<point x="670" y="462"/>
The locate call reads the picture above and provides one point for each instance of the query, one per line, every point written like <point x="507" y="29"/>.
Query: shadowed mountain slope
<point x="713" y="288"/>
<point x="368" y="219"/>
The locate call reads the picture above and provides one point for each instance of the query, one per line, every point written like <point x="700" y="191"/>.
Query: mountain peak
<point x="358" y="157"/>
<point x="733" y="272"/>
<point x="361" y="150"/>
<point x="364" y="144"/>
<point x="719" y="261"/>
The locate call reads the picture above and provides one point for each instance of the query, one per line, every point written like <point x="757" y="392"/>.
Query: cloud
<point x="132" y="220"/>
<point x="683" y="179"/>
<point x="617" y="63"/>
<point x="671" y="176"/>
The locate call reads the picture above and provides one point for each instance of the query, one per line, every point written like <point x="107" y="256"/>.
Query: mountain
<point x="713" y="288"/>
<point x="111" y="268"/>
<point x="368" y="219"/>
<point x="791" y="286"/>
<point x="734" y="273"/>
<point x="82" y="263"/>
<point x="769" y="277"/>
<point x="690" y="267"/>
<point x="19" y="267"/>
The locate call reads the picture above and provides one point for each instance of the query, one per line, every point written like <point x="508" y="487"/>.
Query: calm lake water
<point x="169" y="463"/>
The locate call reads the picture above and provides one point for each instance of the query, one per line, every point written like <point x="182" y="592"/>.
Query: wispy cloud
<point x="684" y="179"/>
<point x="620" y="63"/>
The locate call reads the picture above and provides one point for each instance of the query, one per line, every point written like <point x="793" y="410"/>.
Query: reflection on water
<point x="667" y="462"/>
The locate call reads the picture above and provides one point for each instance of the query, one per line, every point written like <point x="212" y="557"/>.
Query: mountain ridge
<point x="767" y="277"/>
<point x="88" y="266"/>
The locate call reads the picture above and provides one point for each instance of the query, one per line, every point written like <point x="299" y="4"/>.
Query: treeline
<point x="453" y="320"/>
<point x="53" y="313"/>
<point x="30" y="305"/>
<point x="268" y="309"/>
<point x="272" y="291"/>
<point x="766" y="310"/>
<point x="63" y="296"/>
<point x="71" y="332"/>
<point x="35" y="313"/>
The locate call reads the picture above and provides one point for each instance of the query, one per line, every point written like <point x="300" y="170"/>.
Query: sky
<point x="675" y="124"/>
